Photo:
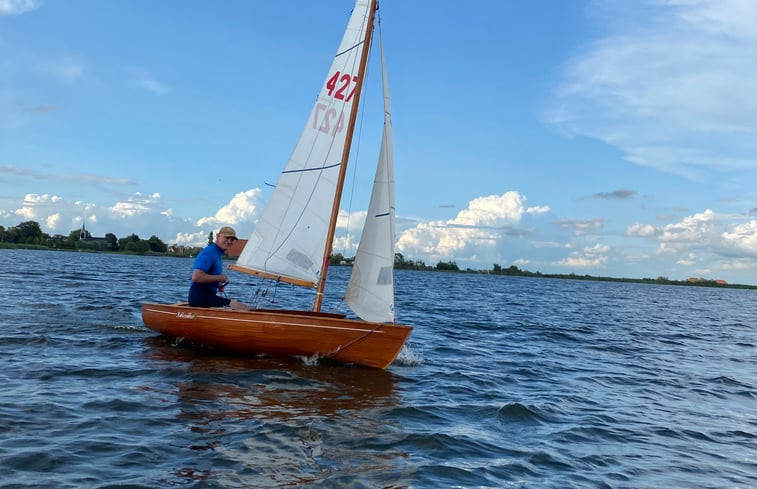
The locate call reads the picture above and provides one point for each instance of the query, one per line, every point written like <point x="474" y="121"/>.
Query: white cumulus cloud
<point x="240" y="209"/>
<point x="588" y="257"/>
<point x="135" y="205"/>
<point x="492" y="210"/>
<point x="643" y="230"/>
<point x="53" y="220"/>
<point x="36" y="205"/>
<point x="199" y="238"/>
<point x="691" y="229"/>
<point x="480" y="226"/>
<point x="742" y="237"/>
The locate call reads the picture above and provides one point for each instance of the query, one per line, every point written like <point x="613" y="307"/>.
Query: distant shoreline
<point x="650" y="281"/>
<point x="512" y="271"/>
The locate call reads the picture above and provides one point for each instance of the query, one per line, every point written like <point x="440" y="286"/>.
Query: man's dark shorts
<point x="200" y="297"/>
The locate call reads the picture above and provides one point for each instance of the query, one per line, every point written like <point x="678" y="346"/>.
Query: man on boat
<point x="207" y="273"/>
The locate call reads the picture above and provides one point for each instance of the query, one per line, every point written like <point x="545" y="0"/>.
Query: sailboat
<point x="292" y="240"/>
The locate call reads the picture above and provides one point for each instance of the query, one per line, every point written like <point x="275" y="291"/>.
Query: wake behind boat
<point x="292" y="240"/>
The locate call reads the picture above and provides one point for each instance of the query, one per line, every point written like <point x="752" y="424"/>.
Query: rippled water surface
<point x="505" y="382"/>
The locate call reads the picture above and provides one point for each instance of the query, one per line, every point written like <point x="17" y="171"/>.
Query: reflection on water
<point x="280" y="421"/>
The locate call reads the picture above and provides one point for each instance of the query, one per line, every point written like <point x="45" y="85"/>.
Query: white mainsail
<point x="370" y="292"/>
<point x="290" y="236"/>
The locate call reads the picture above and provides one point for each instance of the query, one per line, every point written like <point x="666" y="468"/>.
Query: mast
<point x="345" y="157"/>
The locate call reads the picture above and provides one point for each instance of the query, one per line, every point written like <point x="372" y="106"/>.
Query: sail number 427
<point x="340" y="86"/>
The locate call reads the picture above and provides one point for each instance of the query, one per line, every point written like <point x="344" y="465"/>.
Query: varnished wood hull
<point x="280" y="332"/>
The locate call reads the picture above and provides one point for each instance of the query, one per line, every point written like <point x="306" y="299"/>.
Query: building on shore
<point x="85" y="235"/>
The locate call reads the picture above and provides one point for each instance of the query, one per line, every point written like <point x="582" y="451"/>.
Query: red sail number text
<point x="339" y="84"/>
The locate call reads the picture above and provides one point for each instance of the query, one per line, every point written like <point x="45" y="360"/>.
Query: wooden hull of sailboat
<point x="280" y="332"/>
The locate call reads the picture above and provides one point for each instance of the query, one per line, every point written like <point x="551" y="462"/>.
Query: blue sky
<point x="595" y="137"/>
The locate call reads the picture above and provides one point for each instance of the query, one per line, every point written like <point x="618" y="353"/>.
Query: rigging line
<point x="356" y="157"/>
<point x="337" y="305"/>
<point x="350" y="343"/>
<point x="251" y="297"/>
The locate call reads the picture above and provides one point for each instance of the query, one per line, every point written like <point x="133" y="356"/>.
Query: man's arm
<point x="200" y="277"/>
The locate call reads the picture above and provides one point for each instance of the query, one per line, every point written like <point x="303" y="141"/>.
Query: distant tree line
<point x="29" y="234"/>
<point x="400" y="263"/>
<point x="700" y="282"/>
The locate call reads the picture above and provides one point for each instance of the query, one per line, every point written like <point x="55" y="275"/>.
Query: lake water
<point x="505" y="382"/>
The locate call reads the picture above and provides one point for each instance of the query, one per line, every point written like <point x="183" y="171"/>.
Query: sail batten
<point x="350" y="49"/>
<point x="335" y="165"/>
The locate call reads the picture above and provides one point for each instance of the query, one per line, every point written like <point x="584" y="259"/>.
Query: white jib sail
<point x="370" y="292"/>
<point x="290" y="235"/>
